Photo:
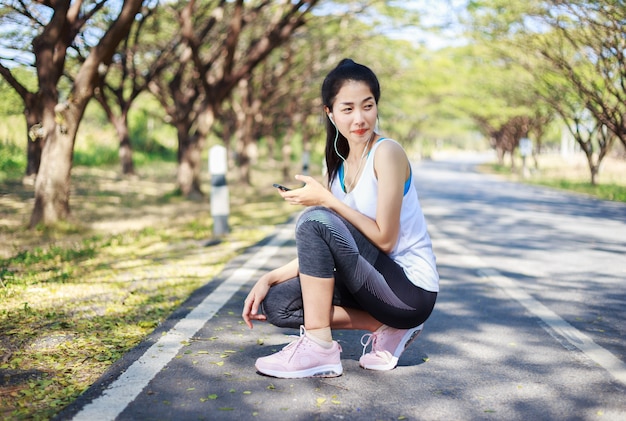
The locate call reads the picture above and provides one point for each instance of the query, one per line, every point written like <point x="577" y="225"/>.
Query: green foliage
<point x="12" y="161"/>
<point x="150" y="137"/>
<point x="11" y="103"/>
<point x="97" y="155"/>
<point x="12" y="146"/>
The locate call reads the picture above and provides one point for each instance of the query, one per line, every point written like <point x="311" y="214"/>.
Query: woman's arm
<point x="391" y="167"/>
<point x="261" y="287"/>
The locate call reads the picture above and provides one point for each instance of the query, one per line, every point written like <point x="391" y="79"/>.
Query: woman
<point x="365" y="259"/>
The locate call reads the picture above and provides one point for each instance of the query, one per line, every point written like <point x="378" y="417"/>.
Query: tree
<point x="221" y="43"/>
<point x="498" y="95"/>
<point x="134" y="65"/>
<point x="585" y="62"/>
<point x="591" y="135"/>
<point x="575" y="52"/>
<point x="57" y="25"/>
<point x="286" y="88"/>
<point x="594" y="32"/>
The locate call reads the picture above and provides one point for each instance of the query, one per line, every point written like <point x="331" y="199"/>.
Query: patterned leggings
<point x="365" y="278"/>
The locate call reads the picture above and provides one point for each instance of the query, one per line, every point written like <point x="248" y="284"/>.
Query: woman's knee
<point x="282" y="305"/>
<point x="316" y="219"/>
<point x="282" y="317"/>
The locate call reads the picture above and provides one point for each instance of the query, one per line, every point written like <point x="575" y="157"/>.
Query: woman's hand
<point x="259" y="291"/>
<point x="312" y="194"/>
<point x="253" y="301"/>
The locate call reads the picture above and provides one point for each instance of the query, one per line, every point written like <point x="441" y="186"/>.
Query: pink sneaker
<point x="388" y="344"/>
<point x="302" y="358"/>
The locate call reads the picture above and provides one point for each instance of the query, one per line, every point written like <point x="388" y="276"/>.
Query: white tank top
<point x="413" y="250"/>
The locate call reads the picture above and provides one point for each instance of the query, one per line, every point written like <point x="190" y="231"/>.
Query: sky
<point x="435" y="14"/>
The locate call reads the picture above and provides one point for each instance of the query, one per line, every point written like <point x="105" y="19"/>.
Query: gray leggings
<point x="365" y="278"/>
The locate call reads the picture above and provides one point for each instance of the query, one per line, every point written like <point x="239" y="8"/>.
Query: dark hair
<point x="346" y="70"/>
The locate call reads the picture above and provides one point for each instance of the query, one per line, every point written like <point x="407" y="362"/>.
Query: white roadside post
<point x="220" y="201"/>
<point x="526" y="149"/>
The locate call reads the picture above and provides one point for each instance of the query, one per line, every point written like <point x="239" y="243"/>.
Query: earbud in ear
<point x="330" y="116"/>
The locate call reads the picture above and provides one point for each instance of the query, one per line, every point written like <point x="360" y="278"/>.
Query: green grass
<point x="571" y="174"/>
<point x="74" y="298"/>
<point x="12" y="161"/>
<point x="610" y="191"/>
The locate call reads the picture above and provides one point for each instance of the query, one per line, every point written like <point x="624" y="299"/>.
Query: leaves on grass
<point x="98" y="295"/>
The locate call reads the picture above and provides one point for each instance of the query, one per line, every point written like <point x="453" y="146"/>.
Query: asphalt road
<point x="529" y="325"/>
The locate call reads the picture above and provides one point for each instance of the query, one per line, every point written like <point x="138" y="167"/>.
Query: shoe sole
<point x="406" y="340"/>
<point x="331" y="370"/>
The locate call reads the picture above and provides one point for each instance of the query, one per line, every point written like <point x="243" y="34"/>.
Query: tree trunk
<point x="243" y="160"/>
<point x="60" y="121"/>
<point x="52" y="186"/>
<point x="189" y="161"/>
<point x="247" y="154"/>
<point x="286" y="153"/>
<point x="35" y="143"/>
<point x="120" y="123"/>
<point x="500" y="155"/>
<point x="125" y="149"/>
<point x="270" y="142"/>
<point x="594" y="176"/>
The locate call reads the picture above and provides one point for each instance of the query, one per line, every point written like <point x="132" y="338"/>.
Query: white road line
<point x="119" y="394"/>
<point x="580" y="340"/>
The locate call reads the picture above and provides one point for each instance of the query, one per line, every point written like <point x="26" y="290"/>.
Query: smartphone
<point x="281" y="187"/>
